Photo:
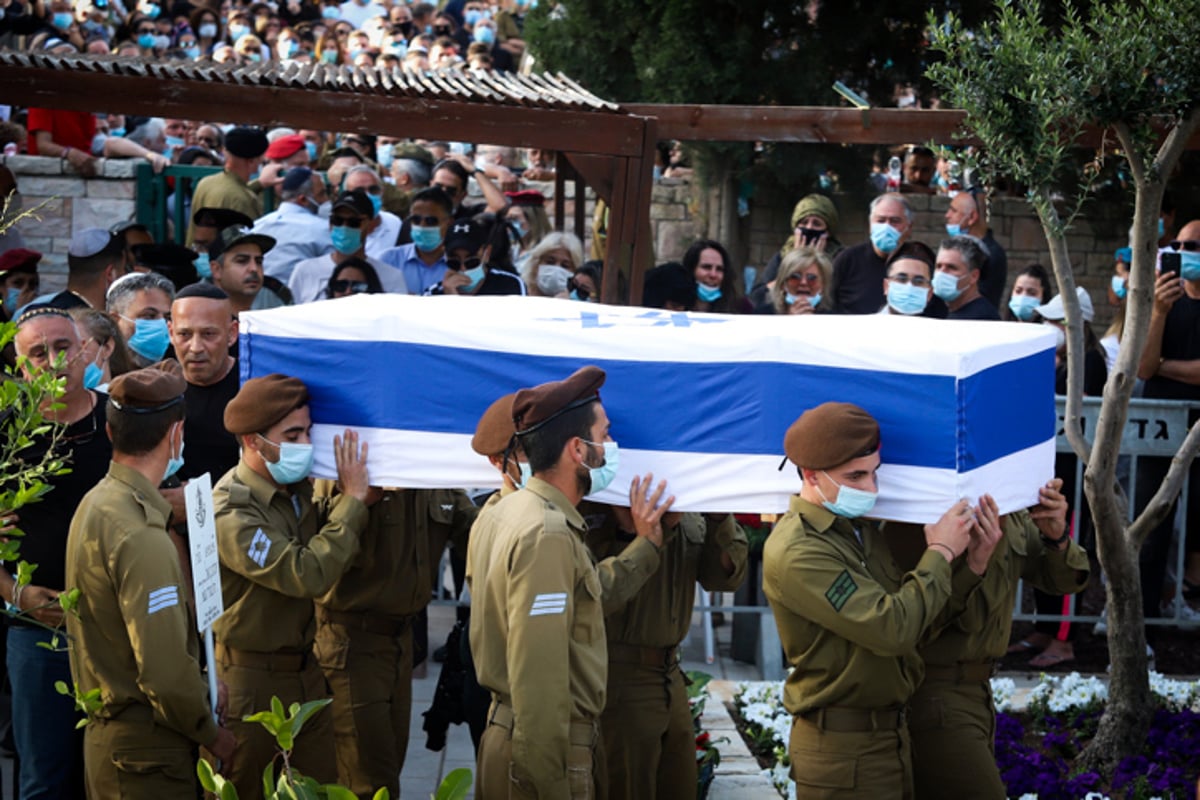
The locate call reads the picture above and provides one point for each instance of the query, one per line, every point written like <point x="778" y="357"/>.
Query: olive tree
<point x="1029" y="90"/>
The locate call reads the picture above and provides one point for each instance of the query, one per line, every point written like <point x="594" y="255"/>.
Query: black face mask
<point x="441" y="30"/>
<point x="810" y="235"/>
<point x="406" y="28"/>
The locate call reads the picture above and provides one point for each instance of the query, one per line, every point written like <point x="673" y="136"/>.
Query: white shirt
<point x="299" y="235"/>
<point x="357" y="14"/>
<point x="310" y="278"/>
<point x="383" y="238"/>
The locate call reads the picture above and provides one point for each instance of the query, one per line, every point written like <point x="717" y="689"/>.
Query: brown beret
<point x="533" y="408"/>
<point x="145" y="391"/>
<point x="830" y="435"/>
<point x="261" y="402"/>
<point x="495" y="429"/>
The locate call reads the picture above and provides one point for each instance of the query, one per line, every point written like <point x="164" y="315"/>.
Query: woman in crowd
<point x="207" y="26"/>
<point x="584" y="286"/>
<point x="1117" y="291"/>
<point x="104" y="348"/>
<point x="551" y="263"/>
<point x="527" y="218"/>
<point x="813" y="221"/>
<point x="716" y="289"/>
<point x="802" y="284"/>
<point x="1030" y="290"/>
<point x="353" y="276"/>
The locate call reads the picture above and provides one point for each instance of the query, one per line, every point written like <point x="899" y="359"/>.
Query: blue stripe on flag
<point x="740" y="407"/>
<point x="1007" y="408"/>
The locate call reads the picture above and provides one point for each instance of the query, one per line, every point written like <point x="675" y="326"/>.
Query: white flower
<point x="1002" y="693"/>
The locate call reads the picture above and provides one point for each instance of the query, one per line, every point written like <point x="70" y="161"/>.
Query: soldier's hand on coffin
<point x="1050" y="515"/>
<point x="646" y="509"/>
<point x="351" y="465"/>
<point x="986" y="533"/>
<point x="1167" y="289"/>
<point x="950" y="534"/>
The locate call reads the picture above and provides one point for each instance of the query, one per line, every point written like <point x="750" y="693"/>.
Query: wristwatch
<point x="1053" y="544"/>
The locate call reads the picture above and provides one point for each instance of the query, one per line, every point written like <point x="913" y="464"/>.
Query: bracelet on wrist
<point x="16" y="598"/>
<point x="1053" y="544"/>
<point x="945" y="547"/>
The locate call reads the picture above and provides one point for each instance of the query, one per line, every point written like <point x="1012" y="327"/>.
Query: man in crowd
<point x="18" y="279"/>
<point x="48" y="747"/>
<point x="139" y="304"/>
<point x="236" y="260"/>
<point x="131" y="233"/>
<point x="909" y="280"/>
<point x="133" y="637"/>
<point x="536" y="597"/>
<point x="963" y="217"/>
<point x="173" y="261"/>
<point x="385" y="233"/>
<point x="920" y="165"/>
<point x="961" y="265"/>
<point x="848" y="622"/>
<point x="288" y="151"/>
<point x="277" y="554"/>
<point x="423" y="261"/>
<point x="296" y="226"/>
<point x="207" y="224"/>
<point x="351" y="222"/>
<point x="94" y="261"/>
<point x="244" y="148"/>
<point x="412" y="169"/>
<point x="858" y="271"/>
<point x="1170" y="366"/>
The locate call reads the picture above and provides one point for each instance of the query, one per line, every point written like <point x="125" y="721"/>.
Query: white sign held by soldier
<point x="202" y="538"/>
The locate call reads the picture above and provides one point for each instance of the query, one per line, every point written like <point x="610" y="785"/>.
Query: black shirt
<point x="991" y="285"/>
<point x="1181" y="340"/>
<point x="496" y="282"/>
<point x="87" y="452"/>
<point x="858" y="274"/>
<point x="979" y="308"/>
<point x="208" y="447"/>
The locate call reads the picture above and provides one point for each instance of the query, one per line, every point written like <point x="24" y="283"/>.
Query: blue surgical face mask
<point x="1162" y="228"/>
<point x="472" y="16"/>
<point x="331" y="12"/>
<point x="174" y="463"/>
<point x="92" y="375"/>
<point x="192" y="52"/>
<point x="116" y="132"/>
<point x="526" y="474"/>
<point x="904" y="298"/>
<point x="208" y="30"/>
<point x="398" y="49"/>
<point x="294" y="464"/>
<point x="1189" y="266"/>
<point x="815" y="300"/>
<point x="603" y="475"/>
<point x="162" y="41"/>
<point x="657" y="173"/>
<point x="475" y="275"/>
<point x="377" y="202"/>
<point x="329" y="56"/>
<point x="385" y="157"/>
<point x="63" y="20"/>
<point x="427" y="238"/>
<point x="201" y="263"/>
<point x="238" y="31"/>
<point x="150" y="338"/>
<point x="175" y="142"/>
<point x="152" y="10"/>
<point x="945" y="286"/>
<point x="484" y="34"/>
<point x="311" y="147"/>
<point x="519" y="227"/>
<point x="1022" y="306"/>
<point x="850" y="503"/>
<point x="1119" y="288"/>
<point x="290" y="48"/>
<point x="10" y="300"/>
<point x="574" y="295"/>
<point x="708" y="294"/>
<point x="346" y="240"/>
<point x="884" y="237"/>
<point x="954" y="230"/>
<point x="146" y="41"/>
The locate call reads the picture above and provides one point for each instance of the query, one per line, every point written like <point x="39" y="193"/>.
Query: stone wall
<point x="71" y="203"/>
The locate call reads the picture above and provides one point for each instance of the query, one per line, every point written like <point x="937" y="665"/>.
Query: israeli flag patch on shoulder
<point x="260" y="545"/>
<point x="164" y="597"/>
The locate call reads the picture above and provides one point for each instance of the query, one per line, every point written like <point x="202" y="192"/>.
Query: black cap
<point x="173" y="261"/>
<point x="209" y="217"/>
<point x="466" y="234"/>
<point x="357" y="201"/>
<point x="669" y="282"/>
<point x="246" y="142"/>
<point x="235" y="235"/>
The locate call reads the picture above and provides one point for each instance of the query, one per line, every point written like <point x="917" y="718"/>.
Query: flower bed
<point x="1034" y="746"/>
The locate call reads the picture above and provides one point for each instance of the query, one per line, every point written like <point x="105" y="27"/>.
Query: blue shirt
<point x="418" y="276"/>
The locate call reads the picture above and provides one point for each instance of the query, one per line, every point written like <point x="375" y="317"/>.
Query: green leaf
<point x="268" y="780"/>
<point x="62" y="688"/>
<point x="267" y="719"/>
<point x="331" y="791"/>
<point x="382" y="794"/>
<point x="301" y="713"/>
<point x="204" y="771"/>
<point x="455" y="785"/>
<point x="277" y="707"/>
<point x="228" y="791"/>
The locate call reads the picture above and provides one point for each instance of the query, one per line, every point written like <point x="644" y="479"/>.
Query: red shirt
<point x="66" y="128"/>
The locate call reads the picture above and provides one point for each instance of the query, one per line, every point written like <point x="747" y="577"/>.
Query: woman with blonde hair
<point x="103" y="346"/>
<point x="803" y="284"/>
<point x="551" y="263"/>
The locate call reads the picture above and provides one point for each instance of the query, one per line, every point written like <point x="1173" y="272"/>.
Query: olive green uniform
<point x="849" y="621"/>
<point x="278" y="551"/>
<point x="134" y="640"/>
<point x="224" y="190"/>
<point x="953" y="720"/>
<point x="537" y="636"/>
<point x="649" y="740"/>
<point x="364" y="627"/>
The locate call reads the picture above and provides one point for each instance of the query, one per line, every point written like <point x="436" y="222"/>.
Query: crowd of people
<point x="577" y="609"/>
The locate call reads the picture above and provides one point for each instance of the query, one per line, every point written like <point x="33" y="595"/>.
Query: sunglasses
<point x="346" y="222"/>
<point x="466" y="263"/>
<point x="800" y="277"/>
<point x="1190" y="245"/>
<point x="425" y="221"/>
<point x="353" y="287"/>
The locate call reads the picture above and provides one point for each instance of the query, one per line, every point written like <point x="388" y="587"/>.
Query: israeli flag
<point x="703" y="400"/>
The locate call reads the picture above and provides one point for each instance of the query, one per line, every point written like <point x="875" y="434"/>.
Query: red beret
<point x="285" y="146"/>
<point x="534" y="407"/>
<point x="19" y="260"/>
<point x="830" y="435"/>
<point x="529" y="197"/>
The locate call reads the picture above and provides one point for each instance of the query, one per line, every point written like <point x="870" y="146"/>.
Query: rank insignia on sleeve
<point x="840" y="590"/>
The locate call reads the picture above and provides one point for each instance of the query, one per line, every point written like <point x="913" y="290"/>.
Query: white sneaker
<point x="1101" y="626"/>
<point x="1187" y="616"/>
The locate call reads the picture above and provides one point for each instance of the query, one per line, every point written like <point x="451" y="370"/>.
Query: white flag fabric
<point x="703" y="400"/>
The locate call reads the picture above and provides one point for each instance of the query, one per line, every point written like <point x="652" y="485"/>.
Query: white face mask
<point x="552" y="279"/>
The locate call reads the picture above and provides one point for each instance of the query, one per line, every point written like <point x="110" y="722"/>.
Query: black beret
<point x="533" y="408"/>
<point x="830" y="435"/>
<point x="210" y="217"/>
<point x="246" y="142"/>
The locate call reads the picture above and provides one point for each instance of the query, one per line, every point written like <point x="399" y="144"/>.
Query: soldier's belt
<point x="273" y="662"/>
<point x="855" y="720"/>
<point x="646" y="656"/>
<point x="365" y="621"/>
<point x="583" y="733"/>
<point x="963" y="672"/>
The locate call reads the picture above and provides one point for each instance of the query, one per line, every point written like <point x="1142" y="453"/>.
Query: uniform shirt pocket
<point x="588" y="619"/>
